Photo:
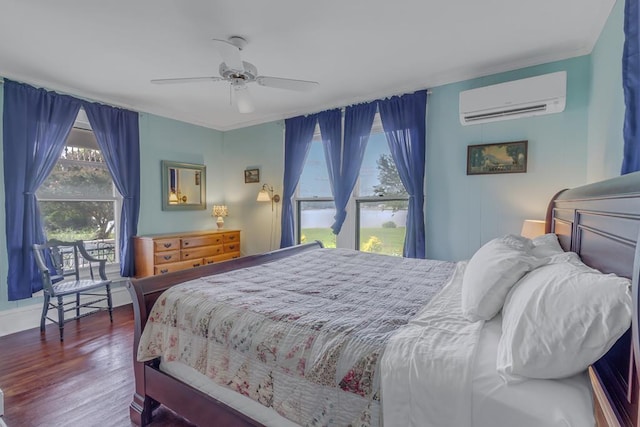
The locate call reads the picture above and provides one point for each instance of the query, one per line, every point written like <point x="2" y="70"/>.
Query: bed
<point x="599" y="222"/>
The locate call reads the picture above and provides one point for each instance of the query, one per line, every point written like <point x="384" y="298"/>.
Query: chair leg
<point x="78" y="305"/>
<point x="45" y="309"/>
<point x="109" y="303"/>
<point x="61" y="318"/>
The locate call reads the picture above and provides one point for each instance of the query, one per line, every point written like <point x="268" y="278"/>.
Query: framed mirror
<point x="183" y="186"/>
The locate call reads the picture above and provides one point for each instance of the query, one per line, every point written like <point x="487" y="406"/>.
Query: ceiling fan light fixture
<point x="240" y="73"/>
<point x="242" y="97"/>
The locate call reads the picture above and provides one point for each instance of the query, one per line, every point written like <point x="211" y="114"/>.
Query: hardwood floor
<point x="85" y="381"/>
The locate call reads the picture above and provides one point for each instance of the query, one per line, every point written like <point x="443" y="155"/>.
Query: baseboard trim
<point x="28" y="317"/>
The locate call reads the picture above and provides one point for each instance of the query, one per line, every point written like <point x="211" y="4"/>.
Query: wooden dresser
<point x="164" y="253"/>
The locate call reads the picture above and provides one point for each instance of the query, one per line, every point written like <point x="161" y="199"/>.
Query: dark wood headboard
<point x="601" y="223"/>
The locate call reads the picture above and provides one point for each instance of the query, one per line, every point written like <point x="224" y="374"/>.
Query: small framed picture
<point x="251" y="175"/>
<point x="503" y="157"/>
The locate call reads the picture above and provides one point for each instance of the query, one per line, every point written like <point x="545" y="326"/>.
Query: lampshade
<point x="243" y="100"/>
<point x="263" y="196"/>
<point x="219" y="210"/>
<point x="532" y="228"/>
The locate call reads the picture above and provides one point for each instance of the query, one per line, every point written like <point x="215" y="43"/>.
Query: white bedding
<point x="427" y="365"/>
<point x="454" y="385"/>
<point x="532" y="403"/>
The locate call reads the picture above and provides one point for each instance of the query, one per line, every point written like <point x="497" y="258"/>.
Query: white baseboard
<point x="28" y="317"/>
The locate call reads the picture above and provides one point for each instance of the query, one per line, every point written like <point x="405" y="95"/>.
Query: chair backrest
<point x="57" y="260"/>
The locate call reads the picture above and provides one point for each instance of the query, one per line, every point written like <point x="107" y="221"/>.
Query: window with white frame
<point x="78" y="200"/>
<point x="377" y="209"/>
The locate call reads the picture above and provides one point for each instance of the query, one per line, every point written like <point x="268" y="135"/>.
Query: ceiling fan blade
<point x="230" y="54"/>
<point x="244" y="103"/>
<point x="290" y="84"/>
<point x="186" y="80"/>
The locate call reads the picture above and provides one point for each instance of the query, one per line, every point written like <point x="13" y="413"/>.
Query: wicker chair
<point x="61" y="264"/>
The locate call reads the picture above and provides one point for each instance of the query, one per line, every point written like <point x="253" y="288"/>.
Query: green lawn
<point x="72" y="235"/>
<point x="390" y="240"/>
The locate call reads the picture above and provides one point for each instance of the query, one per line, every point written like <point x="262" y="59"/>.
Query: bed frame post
<point x="141" y="408"/>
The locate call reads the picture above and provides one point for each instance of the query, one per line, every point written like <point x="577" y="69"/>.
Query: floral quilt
<point x="303" y="335"/>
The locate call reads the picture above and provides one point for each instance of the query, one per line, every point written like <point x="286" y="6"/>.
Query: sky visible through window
<point x="314" y="181"/>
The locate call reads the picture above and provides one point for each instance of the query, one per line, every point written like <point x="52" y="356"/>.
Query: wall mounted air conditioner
<point x="534" y="96"/>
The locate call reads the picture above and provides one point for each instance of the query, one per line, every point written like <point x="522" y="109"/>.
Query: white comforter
<point x="427" y="366"/>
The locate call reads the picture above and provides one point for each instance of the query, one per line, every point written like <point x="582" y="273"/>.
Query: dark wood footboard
<point x="153" y="387"/>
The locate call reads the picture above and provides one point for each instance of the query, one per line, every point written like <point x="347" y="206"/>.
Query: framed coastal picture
<point x="251" y="175"/>
<point x="502" y="157"/>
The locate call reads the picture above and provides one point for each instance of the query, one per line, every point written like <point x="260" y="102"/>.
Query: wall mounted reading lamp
<point x="266" y="194"/>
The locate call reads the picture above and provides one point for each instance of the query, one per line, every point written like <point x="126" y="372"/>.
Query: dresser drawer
<point x="232" y="247"/>
<point x="231" y="237"/>
<point x="165" y="257"/>
<point x="177" y="266"/>
<point x="160" y="245"/>
<point x="206" y="240"/>
<point x="201" y="251"/>
<point x="219" y="258"/>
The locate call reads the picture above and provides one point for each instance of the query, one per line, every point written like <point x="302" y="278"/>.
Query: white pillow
<point x="491" y="272"/>
<point x="559" y="319"/>
<point x="546" y="245"/>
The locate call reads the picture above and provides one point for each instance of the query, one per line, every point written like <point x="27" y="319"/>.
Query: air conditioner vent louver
<point x="534" y="96"/>
<point x="512" y="112"/>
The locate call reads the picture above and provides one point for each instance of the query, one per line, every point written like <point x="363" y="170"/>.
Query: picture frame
<point x="497" y="158"/>
<point x="251" y="176"/>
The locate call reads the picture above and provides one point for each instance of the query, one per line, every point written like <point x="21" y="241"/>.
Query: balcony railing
<point x="102" y="249"/>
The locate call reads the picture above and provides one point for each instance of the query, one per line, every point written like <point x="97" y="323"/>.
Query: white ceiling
<point x="357" y="50"/>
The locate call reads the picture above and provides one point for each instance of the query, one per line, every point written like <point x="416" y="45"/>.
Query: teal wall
<point x="260" y="147"/>
<point x="463" y="212"/>
<point x="606" y="104"/>
<point x="167" y="139"/>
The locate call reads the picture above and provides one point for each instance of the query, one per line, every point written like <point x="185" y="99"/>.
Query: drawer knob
<point x="167" y="245"/>
<point x="167" y="257"/>
<point x="186" y="254"/>
<point x="232" y="247"/>
<point x="210" y="262"/>
<point x="196" y="264"/>
<point x="186" y="243"/>
<point x="164" y="270"/>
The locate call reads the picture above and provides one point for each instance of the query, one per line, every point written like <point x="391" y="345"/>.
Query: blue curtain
<point x="36" y="125"/>
<point x="116" y="131"/>
<point x="344" y="161"/>
<point x="631" y="85"/>
<point x="330" y="123"/>
<point x="404" y="122"/>
<point x="297" y="140"/>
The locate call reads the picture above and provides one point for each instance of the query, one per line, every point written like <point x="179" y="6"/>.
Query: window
<point x="78" y="200"/>
<point x="315" y="207"/>
<point x="377" y="211"/>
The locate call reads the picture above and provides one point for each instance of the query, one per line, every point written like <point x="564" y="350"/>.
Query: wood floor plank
<point x="85" y="381"/>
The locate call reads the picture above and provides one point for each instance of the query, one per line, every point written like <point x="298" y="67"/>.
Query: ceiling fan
<point x="238" y="72"/>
